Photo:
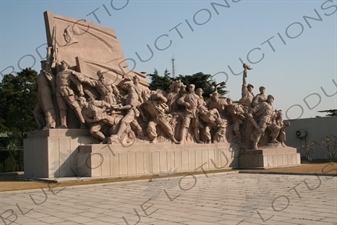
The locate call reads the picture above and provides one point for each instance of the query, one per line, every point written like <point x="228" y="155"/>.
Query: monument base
<point x="50" y="153"/>
<point x="153" y="159"/>
<point x="57" y="153"/>
<point x="270" y="156"/>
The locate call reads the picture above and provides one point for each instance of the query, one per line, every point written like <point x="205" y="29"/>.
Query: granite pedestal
<point x="269" y="157"/>
<point x="51" y="153"/>
<point x="150" y="159"/>
<point x="70" y="153"/>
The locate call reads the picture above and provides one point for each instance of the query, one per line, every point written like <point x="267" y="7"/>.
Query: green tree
<point x="160" y="82"/>
<point x="204" y="81"/>
<point x="200" y="80"/>
<point x="17" y="102"/>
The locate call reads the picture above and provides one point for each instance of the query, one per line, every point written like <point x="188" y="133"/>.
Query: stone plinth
<point x="70" y="153"/>
<point x="269" y="157"/>
<point x="149" y="159"/>
<point x="50" y="153"/>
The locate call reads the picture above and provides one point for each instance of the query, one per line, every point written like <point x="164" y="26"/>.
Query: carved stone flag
<point x="87" y="47"/>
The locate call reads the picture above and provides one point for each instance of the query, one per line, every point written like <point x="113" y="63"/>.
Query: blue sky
<point x="293" y="56"/>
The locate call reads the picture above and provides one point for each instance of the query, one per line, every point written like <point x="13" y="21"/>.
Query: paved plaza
<point x="222" y="198"/>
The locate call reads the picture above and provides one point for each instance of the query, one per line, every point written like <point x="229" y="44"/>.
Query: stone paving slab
<point x="225" y="198"/>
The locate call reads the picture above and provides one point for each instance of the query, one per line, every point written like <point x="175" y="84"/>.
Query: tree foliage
<point x="160" y="82"/>
<point x="17" y="100"/>
<point x="330" y="112"/>
<point x="200" y="80"/>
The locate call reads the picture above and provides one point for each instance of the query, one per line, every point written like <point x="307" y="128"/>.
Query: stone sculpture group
<point x="98" y="118"/>
<point x="125" y="111"/>
<point x="83" y="84"/>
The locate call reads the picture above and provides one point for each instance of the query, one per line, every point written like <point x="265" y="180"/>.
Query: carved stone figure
<point x="199" y="92"/>
<point x="237" y="115"/>
<point x="212" y="121"/>
<point x="277" y="128"/>
<point x="247" y="89"/>
<point x="157" y="108"/>
<point x="261" y="97"/>
<point x="215" y="102"/>
<point x="44" y="110"/>
<point x="143" y="92"/>
<point x="174" y="95"/>
<point x="130" y="118"/>
<point x="95" y="114"/>
<point x="66" y="96"/>
<point x="191" y="101"/>
<point x="263" y="113"/>
<point x="104" y="86"/>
